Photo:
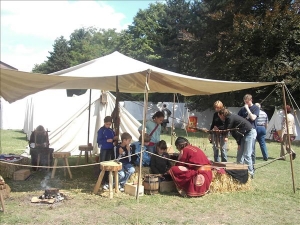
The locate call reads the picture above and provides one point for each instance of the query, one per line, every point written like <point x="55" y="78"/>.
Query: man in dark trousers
<point x="244" y="134"/>
<point x="250" y="112"/>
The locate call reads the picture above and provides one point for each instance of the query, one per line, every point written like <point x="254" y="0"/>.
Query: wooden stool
<point x="110" y="166"/>
<point x="87" y="149"/>
<point x="64" y="156"/>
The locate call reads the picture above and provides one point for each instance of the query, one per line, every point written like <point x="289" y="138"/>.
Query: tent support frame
<point x="288" y="136"/>
<point x="143" y="132"/>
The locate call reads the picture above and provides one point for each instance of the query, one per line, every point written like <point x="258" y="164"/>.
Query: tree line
<point x="232" y="40"/>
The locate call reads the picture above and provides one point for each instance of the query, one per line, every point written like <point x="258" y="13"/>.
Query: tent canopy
<point x="101" y="74"/>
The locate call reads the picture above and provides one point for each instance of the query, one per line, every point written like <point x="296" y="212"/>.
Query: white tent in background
<point x="136" y="109"/>
<point x="182" y="114"/>
<point x="66" y="118"/>
<point x="276" y="120"/>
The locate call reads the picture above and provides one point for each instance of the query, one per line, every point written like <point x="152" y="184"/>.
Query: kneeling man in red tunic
<point x="192" y="175"/>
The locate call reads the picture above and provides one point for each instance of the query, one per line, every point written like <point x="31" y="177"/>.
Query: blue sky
<point x="29" y="28"/>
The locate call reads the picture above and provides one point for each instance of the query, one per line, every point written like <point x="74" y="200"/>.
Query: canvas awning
<point x="101" y="74"/>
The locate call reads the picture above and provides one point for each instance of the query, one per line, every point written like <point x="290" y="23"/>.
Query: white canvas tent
<point x="136" y="109"/>
<point x="276" y="120"/>
<point x="181" y="113"/>
<point x="101" y="74"/>
<point x="67" y="118"/>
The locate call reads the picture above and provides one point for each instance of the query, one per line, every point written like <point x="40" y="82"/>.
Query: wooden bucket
<point x="151" y="184"/>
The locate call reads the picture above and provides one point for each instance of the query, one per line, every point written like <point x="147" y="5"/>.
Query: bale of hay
<point x="7" y="170"/>
<point x="225" y="183"/>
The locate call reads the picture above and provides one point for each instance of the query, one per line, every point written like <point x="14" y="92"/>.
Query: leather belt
<point x="205" y="168"/>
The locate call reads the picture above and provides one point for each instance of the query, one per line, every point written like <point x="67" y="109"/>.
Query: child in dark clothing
<point x="124" y="156"/>
<point x="160" y="163"/>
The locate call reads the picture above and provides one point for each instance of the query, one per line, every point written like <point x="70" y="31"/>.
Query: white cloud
<point x="29" y="28"/>
<point x="51" y="19"/>
<point x="23" y="58"/>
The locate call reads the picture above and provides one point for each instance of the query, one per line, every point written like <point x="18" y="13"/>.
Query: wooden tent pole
<point x="116" y="113"/>
<point x="143" y="133"/>
<point x="288" y="136"/>
<point x="88" y="136"/>
<point x="172" y="127"/>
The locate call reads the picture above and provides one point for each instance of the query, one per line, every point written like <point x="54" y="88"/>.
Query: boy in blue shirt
<point x="105" y="139"/>
<point x="137" y="148"/>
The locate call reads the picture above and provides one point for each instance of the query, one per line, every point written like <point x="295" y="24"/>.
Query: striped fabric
<point x="262" y="119"/>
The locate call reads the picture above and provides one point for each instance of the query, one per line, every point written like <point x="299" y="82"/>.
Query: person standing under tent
<point x="261" y="129"/>
<point x="167" y="113"/>
<point x="105" y="138"/>
<point x="244" y="134"/>
<point x="217" y="137"/>
<point x="250" y="112"/>
<point x="192" y="174"/>
<point x="291" y="128"/>
<point x="153" y="128"/>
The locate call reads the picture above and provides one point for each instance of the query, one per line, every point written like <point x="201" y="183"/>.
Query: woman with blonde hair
<point x="217" y="137"/>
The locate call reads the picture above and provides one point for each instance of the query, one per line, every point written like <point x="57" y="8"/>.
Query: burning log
<point x="50" y="196"/>
<point x="51" y="191"/>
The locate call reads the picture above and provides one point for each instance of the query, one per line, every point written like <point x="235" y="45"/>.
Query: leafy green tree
<point x="248" y="41"/>
<point x="59" y="58"/>
<point x="82" y="47"/>
<point x="41" y="68"/>
<point x="143" y="38"/>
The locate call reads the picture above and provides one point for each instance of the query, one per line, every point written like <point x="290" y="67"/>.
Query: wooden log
<point x="51" y="191"/>
<point x="230" y="165"/>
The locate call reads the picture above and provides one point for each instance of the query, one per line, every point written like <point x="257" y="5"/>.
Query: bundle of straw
<point x="7" y="170"/>
<point x="225" y="183"/>
<point x="134" y="177"/>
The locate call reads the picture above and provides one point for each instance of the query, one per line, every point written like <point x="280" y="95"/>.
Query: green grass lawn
<point x="270" y="201"/>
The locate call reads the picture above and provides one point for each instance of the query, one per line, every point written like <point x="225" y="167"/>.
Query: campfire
<point x="50" y="196"/>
